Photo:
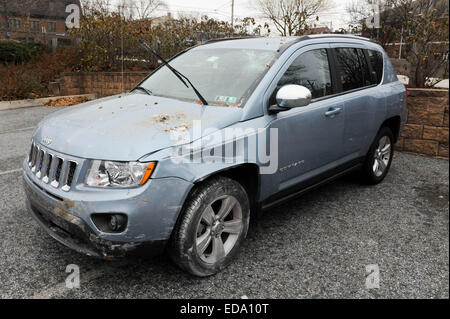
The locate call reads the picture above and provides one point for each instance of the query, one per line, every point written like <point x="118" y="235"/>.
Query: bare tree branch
<point x="290" y="17"/>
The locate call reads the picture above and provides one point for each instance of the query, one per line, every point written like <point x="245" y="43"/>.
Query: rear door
<point x="363" y="100"/>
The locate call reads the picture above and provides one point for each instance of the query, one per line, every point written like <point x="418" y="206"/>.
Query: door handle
<point x="333" y="112"/>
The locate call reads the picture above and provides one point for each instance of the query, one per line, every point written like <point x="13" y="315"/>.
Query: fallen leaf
<point x="67" y="101"/>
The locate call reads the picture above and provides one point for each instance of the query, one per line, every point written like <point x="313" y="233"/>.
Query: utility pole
<point x="401" y="45"/>
<point x="232" y="14"/>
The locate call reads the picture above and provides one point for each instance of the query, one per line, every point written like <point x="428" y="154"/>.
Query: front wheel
<point x="212" y="227"/>
<point x="379" y="157"/>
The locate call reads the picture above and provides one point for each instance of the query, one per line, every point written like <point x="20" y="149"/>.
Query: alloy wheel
<point x="219" y="229"/>
<point x="382" y="156"/>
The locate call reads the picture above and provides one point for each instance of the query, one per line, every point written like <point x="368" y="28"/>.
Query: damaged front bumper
<point x="68" y="219"/>
<point x="74" y="233"/>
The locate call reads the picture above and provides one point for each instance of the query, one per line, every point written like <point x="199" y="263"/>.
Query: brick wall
<point x="426" y="131"/>
<point x="100" y="83"/>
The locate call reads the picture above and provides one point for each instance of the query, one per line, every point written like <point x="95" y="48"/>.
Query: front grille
<point x="51" y="168"/>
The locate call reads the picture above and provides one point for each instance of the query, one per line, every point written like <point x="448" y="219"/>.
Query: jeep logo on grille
<point x="47" y="140"/>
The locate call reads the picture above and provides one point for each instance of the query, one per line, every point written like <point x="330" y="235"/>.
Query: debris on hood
<point x="168" y="122"/>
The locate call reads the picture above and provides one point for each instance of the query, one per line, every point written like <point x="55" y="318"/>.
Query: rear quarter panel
<point x="395" y="93"/>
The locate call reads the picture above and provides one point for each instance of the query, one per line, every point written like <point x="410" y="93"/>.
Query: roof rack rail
<point x="338" y="35"/>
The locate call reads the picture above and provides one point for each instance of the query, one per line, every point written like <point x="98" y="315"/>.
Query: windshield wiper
<point x="178" y="74"/>
<point x="142" y="89"/>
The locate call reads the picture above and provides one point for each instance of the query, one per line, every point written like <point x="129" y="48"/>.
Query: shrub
<point x="17" y="52"/>
<point x="103" y="36"/>
<point x="32" y="79"/>
<point x="36" y="49"/>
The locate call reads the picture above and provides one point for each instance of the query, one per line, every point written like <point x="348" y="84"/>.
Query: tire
<point x="201" y="219"/>
<point x="378" y="162"/>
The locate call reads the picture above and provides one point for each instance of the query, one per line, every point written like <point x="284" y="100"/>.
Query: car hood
<point x="129" y="126"/>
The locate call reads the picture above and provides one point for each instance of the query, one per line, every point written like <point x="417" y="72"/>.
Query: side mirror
<point x="290" y="96"/>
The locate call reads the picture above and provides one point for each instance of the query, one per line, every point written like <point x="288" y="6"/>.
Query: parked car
<point x="107" y="178"/>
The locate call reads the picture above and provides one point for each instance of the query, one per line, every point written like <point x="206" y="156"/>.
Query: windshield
<point x="223" y="77"/>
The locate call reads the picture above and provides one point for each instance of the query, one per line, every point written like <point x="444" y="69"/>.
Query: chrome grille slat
<point x="57" y="171"/>
<point x="69" y="171"/>
<point x="30" y="155"/>
<point x="64" y="175"/>
<point x="48" y="165"/>
<point x="51" y="168"/>
<point x="39" y="162"/>
<point x="33" y="160"/>
<point x="51" y="175"/>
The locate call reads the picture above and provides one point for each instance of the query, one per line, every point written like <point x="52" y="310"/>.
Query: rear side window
<point x="376" y="61"/>
<point x="312" y="70"/>
<point x="353" y="68"/>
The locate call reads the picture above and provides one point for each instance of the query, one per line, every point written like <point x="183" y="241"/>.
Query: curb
<point x="13" y="105"/>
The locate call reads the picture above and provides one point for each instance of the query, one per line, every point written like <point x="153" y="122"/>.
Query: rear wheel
<point x="379" y="158"/>
<point x="212" y="227"/>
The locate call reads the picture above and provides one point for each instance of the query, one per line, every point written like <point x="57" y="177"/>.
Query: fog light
<point x="117" y="222"/>
<point x="110" y="223"/>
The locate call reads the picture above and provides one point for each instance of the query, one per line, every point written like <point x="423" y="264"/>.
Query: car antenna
<point x="178" y="74"/>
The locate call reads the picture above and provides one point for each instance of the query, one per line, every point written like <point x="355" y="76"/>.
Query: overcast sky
<point x="335" y="16"/>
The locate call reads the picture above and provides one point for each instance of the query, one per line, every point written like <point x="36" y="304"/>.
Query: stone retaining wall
<point x="100" y="83"/>
<point x="426" y="131"/>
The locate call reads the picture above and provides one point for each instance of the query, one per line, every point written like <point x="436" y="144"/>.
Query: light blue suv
<point x="217" y="134"/>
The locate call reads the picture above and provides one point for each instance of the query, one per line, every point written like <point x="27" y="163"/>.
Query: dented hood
<point x="128" y="126"/>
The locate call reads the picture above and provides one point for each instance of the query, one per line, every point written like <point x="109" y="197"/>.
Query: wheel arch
<point x="394" y="124"/>
<point x="245" y="174"/>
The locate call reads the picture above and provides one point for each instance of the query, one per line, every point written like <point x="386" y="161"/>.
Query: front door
<point x="311" y="137"/>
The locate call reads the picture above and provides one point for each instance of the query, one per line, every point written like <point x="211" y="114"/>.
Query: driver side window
<point x="312" y="70"/>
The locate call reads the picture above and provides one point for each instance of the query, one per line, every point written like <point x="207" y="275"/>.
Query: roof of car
<point x="270" y="43"/>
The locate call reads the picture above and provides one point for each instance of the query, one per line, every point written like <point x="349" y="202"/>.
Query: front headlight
<point x="118" y="174"/>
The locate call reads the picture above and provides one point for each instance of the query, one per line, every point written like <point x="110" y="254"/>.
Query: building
<point x="35" y="21"/>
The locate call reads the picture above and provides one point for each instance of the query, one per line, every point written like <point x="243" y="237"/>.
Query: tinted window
<point x="353" y="68"/>
<point x="312" y="70"/>
<point x="376" y="60"/>
<point x="367" y="77"/>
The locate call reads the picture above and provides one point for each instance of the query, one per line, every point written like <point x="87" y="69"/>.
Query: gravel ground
<point x="315" y="247"/>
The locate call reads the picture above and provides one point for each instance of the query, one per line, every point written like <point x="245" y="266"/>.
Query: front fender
<point x="245" y="143"/>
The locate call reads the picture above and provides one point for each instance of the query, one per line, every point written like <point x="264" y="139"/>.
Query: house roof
<point x="49" y="9"/>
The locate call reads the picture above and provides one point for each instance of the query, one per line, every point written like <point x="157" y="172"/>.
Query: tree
<point x="105" y="38"/>
<point x="143" y="9"/>
<point x="290" y="17"/>
<point x="423" y="26"/>
<point x="102" y="6"/>
<point x="392" y="15"/>
<point x="427" y="38"/>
